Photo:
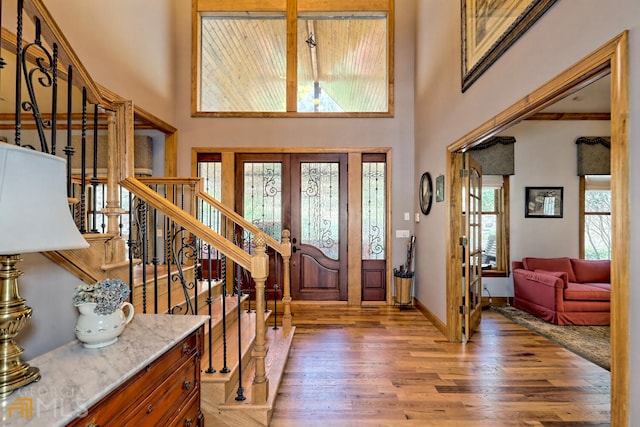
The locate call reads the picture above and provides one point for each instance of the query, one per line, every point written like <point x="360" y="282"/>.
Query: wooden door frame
<point x="611" y="58"/>
<point x="354" y="160"/>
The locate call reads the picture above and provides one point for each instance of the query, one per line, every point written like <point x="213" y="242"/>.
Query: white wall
<point x="47" y="288"/>
<point x="545" y="156"/>
<point x="568" y="32"/>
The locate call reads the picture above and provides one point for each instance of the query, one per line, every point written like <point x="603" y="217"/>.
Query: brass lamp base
<point x="14" y="314"/>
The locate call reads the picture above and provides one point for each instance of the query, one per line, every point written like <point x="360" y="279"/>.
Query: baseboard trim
<point x="431" y="317"/>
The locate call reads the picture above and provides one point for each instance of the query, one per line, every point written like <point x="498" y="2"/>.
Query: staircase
<point x="96" y="187"/>
<point x="220" y="386"/>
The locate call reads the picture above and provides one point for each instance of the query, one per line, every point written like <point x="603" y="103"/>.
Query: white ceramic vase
<point x="100" y="330"/>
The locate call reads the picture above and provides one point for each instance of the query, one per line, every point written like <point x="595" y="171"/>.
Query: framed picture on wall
<point x="490" y="27"/>
<point x="440" y="188"/>
<point x="543" y="202"/>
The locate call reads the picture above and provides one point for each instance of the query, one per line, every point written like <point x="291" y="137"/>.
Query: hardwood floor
<point x="383" y="366"/>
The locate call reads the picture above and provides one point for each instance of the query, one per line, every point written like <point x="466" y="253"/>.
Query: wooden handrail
<point x="283" y="250"/>
<point x="238" y="219"/>
<point x="189" y="222"/>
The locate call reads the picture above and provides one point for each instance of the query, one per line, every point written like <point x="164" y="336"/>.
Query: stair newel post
<point x="286" y="281"/>
<point x="259" y="272"/>
<point x="116" y="250"/>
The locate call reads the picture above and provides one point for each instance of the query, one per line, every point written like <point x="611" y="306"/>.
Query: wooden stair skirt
<point x="219" y="390"/>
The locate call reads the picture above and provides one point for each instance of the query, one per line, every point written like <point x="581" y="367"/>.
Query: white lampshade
<point x="34" y="212"/>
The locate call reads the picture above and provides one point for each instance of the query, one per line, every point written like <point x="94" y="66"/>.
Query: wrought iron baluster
<point x="19" y="55"/>
<point x="210" y="369"/>
<point x="222" y="263"/>
<point x="240" y="394"/>
<point x="69" y="150"/>
<point x="83" y="162"/>
<point x="130" y="246"/>
<point x="143" y="246"/>
<point x="276" y="264"/>
<point x="155" y="260"/>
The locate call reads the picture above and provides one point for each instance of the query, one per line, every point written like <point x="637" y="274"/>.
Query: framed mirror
<point x="426" y="193"/>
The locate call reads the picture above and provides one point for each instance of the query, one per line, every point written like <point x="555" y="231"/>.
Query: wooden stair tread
<point x="248" y="339"/>
<point x="275" y="362"/>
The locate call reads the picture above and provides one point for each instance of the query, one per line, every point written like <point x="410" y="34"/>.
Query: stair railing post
<point x="286" y="281"/>
<point x="259" y="272"/>
<point x="116" y="251"/>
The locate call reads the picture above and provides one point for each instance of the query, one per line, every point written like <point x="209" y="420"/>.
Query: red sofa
<point x="563" y="291"/>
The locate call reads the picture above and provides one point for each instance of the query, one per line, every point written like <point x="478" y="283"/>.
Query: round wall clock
<point x="426" y="193"/>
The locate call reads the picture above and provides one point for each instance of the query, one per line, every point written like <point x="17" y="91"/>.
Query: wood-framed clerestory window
<point x="292" y="58"/>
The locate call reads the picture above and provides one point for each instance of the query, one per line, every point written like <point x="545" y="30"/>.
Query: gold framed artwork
<point x="490" y="27"/>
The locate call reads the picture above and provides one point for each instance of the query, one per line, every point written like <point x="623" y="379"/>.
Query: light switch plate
<point x="402" y="234"/>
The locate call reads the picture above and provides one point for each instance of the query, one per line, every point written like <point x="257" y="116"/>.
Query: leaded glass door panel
<point x="263" y="198"/>
<point x="319" y="227"/>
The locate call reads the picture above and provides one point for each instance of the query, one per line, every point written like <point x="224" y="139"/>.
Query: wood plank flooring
<point x="382" y="366"/>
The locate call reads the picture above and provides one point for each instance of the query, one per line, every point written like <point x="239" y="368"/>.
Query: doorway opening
<point x="610" y="59"/>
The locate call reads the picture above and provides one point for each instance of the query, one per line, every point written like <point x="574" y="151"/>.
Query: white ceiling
<point x="594" y="98"/>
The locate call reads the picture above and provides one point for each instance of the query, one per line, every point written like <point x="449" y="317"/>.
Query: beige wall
<point x="127" y="46"/>
<point x="140" y="49"/>
<point x="567" y="33"/>
<point x="394" y="132"/>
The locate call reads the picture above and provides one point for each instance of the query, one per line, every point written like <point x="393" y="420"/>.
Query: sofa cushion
<point x="591" y="270"/>
<point x="550" y="264"/>
<point x="560" y="274"/>
<point x="601" y="285"/>
<point x="582" y="292"/>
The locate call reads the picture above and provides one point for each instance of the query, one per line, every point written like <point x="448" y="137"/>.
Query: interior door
<point x="471" y="246"/>
<point x="319" y="227"/>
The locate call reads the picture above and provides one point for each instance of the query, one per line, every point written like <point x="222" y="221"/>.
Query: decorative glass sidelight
<point x="373" y="210"/>
<point x="211" y="172"/>
<point x="319" y="207"/>
<point x="263" y="197"/>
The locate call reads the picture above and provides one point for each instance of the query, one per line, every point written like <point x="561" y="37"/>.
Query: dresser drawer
<point x="168" y="375"/>
<point x="166" y="399"/>
<point x="190" y="415"/>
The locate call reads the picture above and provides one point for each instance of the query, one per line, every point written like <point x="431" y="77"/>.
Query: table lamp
<point x="34" y="217"/>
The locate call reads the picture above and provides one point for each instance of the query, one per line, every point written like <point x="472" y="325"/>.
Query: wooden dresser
<point x="150" y="377"/>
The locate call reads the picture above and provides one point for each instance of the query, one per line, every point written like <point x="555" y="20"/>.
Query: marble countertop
<point x="74" y="378"/>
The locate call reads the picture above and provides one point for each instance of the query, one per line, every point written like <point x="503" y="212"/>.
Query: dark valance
<point x="495" y="155"/>
<point x="594" y="155"/>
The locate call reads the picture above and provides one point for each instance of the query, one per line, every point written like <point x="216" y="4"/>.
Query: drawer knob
<point x="186" y="348"/>
<point x="187" y="385"/>
<point x="149" y="409"/>
<point x="188" y="422"/>
<point x="93" y="424"/>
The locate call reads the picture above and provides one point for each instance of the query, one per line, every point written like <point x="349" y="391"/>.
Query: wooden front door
<point x="319" y="227"/>
<point x="305" y="193"/>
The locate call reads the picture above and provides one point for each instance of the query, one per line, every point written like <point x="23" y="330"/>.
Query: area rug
<point x="589" y="342"/>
